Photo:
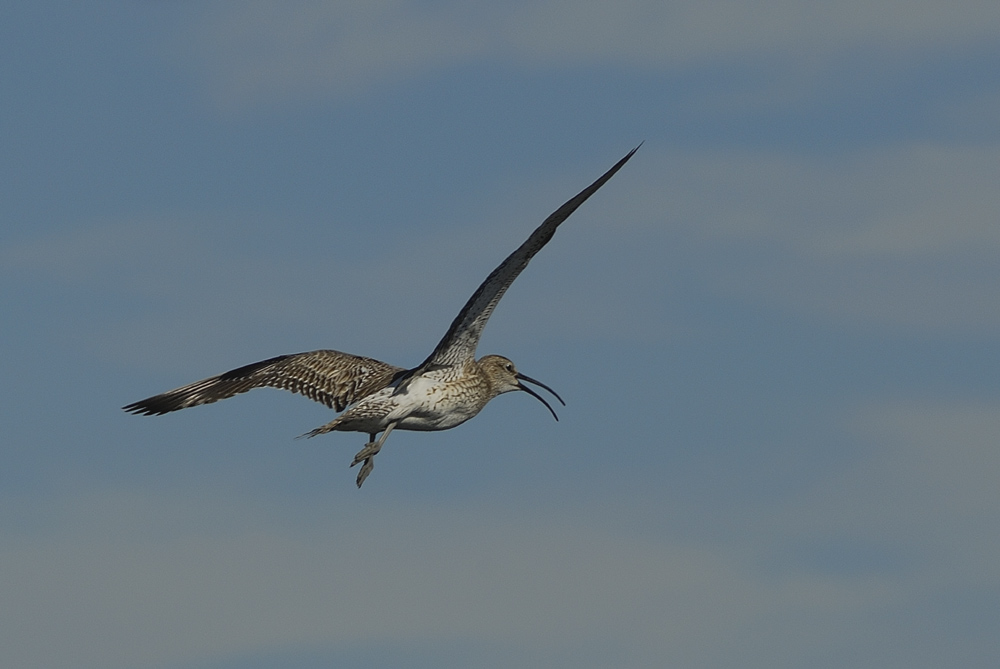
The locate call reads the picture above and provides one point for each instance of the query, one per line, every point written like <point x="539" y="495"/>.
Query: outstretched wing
<point x="333" y="378"/>
<point x="459" y="343"/>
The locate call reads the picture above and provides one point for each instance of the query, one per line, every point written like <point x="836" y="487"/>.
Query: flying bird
<point x="445" y="390"/>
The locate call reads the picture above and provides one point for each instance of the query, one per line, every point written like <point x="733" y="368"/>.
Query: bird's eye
<point x="510" y="367"/>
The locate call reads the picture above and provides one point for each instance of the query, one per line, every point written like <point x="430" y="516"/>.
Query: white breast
<point x="432" y="404"/>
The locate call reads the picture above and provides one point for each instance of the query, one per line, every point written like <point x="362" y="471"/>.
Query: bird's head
<point x="505" y="378"/>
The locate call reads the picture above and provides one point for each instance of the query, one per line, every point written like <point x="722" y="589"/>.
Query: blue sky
<point x="776" y="330"/>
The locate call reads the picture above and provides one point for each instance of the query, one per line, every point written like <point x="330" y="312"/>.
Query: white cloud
<point x="179" y="290"/>
<point x="904" y="237"/>
<point x="136" y="580"/>
<point x="166" y="283"/>
<point x="664" y="34"/>
<point x="900" y="237"/>
<point x="122" y="579"/>
<point x="945" y="455"/>
<point x="260" y="48"/>
<point x="184" y="291"/>
<point x="926" y="201"/>
<point x="923" y="490"/>
<point x="909" y="202"/>
<point x="266" y="49"/>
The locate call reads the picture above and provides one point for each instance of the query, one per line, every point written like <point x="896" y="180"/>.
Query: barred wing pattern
<point x="460" y="342"/>
<point x="330" y="377"/>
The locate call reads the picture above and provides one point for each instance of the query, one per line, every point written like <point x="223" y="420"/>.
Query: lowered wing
<point x="330" y="377"/>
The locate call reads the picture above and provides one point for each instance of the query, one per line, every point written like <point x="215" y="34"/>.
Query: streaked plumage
<point x="445" y="390"/>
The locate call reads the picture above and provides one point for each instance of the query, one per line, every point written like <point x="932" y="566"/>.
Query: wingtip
<point x="617" y="166"/>
<point x="138" y="409"/>
<point x="151" y="406"/>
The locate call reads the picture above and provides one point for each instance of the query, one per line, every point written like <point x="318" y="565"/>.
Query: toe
<point x="366" y="469"/>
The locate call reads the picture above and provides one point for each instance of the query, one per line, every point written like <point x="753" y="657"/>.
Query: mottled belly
<point x="426" y="405"/>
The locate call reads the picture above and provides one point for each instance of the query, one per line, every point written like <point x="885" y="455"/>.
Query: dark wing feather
<point x="459" y="343"/>
<point x="330" y="377"/>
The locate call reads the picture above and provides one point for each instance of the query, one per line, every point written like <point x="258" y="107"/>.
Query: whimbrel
<point x="445" y="390"/>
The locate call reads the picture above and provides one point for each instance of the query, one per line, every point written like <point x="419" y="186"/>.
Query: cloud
<point x="266" y="48"/>
<point x="881" y="239"/>
<point x="187" y="290"/>
<point x="174" y="290"/>
<point x="899" y="237"/>
<point x="161" y="282"/>
<point x="910" y="201"/>
<point x="943" y="457"/>
<point x="262" y="50"/>
<point x="136" y="578"/>
<point x="913" y="509"/>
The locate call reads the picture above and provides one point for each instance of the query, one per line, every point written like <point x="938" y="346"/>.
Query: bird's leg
<point x="372" y="447"/>
<point x="369" y="460"/>
<point x="367" y="454"/>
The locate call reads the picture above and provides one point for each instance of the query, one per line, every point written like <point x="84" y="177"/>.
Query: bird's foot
<point x="366" y="469"/>
<point x="367" y="453"/>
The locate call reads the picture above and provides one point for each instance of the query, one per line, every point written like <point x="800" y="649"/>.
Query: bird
<point x="445" y="390"/>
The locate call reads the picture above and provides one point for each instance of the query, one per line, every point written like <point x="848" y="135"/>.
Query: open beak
<point x="522" y="377"/>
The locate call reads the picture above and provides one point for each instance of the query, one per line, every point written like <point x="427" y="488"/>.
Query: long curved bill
<point x="522" y="377"/>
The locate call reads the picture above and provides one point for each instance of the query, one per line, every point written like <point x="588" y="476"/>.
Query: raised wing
<point x="330" y="377"/>
<point x="459" y="343"/>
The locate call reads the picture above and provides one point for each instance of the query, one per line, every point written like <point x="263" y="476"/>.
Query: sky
<point x="775" y="329"/>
